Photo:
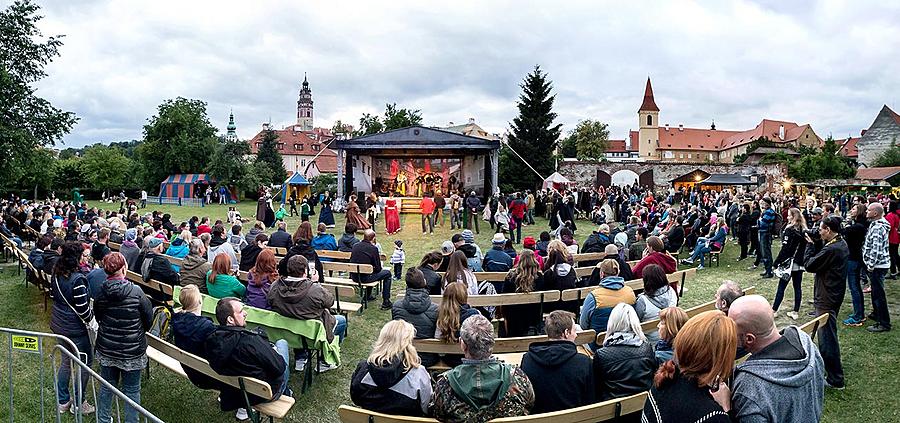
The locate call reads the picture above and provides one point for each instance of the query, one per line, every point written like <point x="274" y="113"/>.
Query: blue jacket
<point x="180" y="251"/>
<point x="323" y="242"/>
<point x="766" y="220"/>
<point x="599" y="303"/>
<point x="496" y="260"/>
<point x="69" y="293"/>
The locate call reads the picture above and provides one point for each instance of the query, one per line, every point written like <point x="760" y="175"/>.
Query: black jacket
<point x="417" y="309"/>
<point x="235" y="351"/>
<point x="48" y="261"/>
<point x="595" y="243"/>
<point x="383" y="388"/>
<point x="675" y="239"/>
<point x="279" y="238"/>
<point x="561" y="377"/>
<point x="432" y="280"/>
<point x="156" y="267"/>
<point x="124" y="314"/>
<point x="623" y="370"/>
<point x="302" y="248"/>
<point x="190" y="332"/>
<point x="794" y="246"/>
<point x="830" y="266"/>
<point x="366" y="253"/>
<point x="98" y="251"/>
<point x="855" y="236"/>
<point x="681" y="400"/>
<point x="248" y="257"/>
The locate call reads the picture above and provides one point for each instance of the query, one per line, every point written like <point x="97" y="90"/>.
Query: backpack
<point x="159" y="327"/>
<point x="777" y="224"/>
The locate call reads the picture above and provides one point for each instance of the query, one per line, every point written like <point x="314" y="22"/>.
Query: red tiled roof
<point x="692" y="138"/>
<point x="296" y="142"/>
<point x="894" y="114"/>
<point x="877" y="173"/>
<point x="848" y="147"/>
<point x="615" y="146"/>
<point x="649" y="105"/>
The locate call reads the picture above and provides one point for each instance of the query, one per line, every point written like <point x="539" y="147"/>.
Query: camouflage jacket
<point x="446" y="406"/>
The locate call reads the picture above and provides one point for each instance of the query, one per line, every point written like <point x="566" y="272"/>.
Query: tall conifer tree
<point x="268" y="154"/>
<point x="532" y="134"/>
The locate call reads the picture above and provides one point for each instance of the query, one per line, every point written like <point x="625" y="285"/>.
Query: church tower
<point x="305" y="107"/>
<point x="231" y="135"/>
<point x="648" y="134"/>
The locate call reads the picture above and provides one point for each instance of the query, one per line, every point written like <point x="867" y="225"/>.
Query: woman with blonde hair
<point x="392" y="380"/>
<point x="705" y="349"/>
<point x="671" y="320"/>
<point x="626" y="363"/>
<point x="190" y="330"/>
<point x="789" y="262"/>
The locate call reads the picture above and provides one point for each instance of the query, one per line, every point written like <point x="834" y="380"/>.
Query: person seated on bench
<point x="180" y="247"/>
<point x="260" y="279"/>
<point x="131" y="250"/>
<point x="323" y="240"/>
<point x="251" y="252"/>
<point x="348" y="239"/>
<point x="519" y="319"/>
<point x="190" y="330"/>
<point x="784" y="377"/>
<point x="529" y="244"/>
<point x="417" y="308"/>
<point x="496" y="260"/>
<point x="218" y="244"/>
<point x="474" y="256"/>
<point x="726" y="294"/>
<point x="194" y="267"/>
<point x="447" y="249"/>
<point x="220" y="282"/>
<point x="459" y="272"/>
<point x="154" y="266"/>
<point x="566" y="377"/>
<point x="302" y="247"/>
<point x="392" y="380"/>
<point x="481" y="388"/>
<point x="657" y="295"/>
<point x="612" y="251"/>
<point x="694" y="389"/>
<point x="671" y="320"/>
<point x="637" y="247"/>
<point x="674" y="238"/>
<point x="36" y="257"/>
<point x="297" y="296"/>
<point x="655" y="254"/>
<point x="719" y="233"/>
<point x="279" y="238"/>
<point x="626" y="363"/>
<point x="428" y="266"/>
<point x="600" y="302"/>
<point x="233" y="350"/>
<point x="366" y="252"/>
<point x="452" y="312"/>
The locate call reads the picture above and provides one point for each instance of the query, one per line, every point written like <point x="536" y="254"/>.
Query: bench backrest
<point x="251" y="385"/>
<point x="151" y="284"/>
<point x="335" y="266"/>
<point x="637" y="285"/>
<point x="588" y="257"/>
<point x="341" y="291"/>
<point x="501" y="345"/>
<point x="505" y="299"/>
<point x="485" y="276"/>
<point x="333" y="254"/>
<point x="812" y="326"/>
<point x="279" y="251"/>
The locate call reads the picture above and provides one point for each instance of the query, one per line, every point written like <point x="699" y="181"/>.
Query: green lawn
<point x="870" y="360"/>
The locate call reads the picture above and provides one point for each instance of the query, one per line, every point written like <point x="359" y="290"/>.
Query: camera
<point x="813" y="234"/>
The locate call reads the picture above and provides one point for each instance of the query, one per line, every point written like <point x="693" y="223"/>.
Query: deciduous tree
<point x="178" y="139"/>
<point x="591" y="139"/>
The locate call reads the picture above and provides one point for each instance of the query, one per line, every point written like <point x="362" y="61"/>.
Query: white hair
<point x="623" y="318"/>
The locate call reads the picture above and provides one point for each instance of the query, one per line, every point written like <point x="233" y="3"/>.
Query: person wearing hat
<point x="130" y="249"/>
<point x="473" y="253"/>
<point x="496" y="260"/>
<point x="472" y="205"/>
<point x="529" y="243"/>
<point x="156" y="267"/>
<point x="447" y="248"/>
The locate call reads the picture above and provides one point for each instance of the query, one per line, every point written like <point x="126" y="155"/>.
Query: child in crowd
<point x="398" y="258"/>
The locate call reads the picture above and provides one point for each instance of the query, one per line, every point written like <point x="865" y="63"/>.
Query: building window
<point x="315" y="147"/>
<point x="669" y="155"/>
<point x="299" y="147"/>
<point x="710" y="156"/>
<point x="649" y="120"/>
<point x="303" y="162"/>
<point x="281" y="146"/>
<point x="689" y="155"/>
<point x="681" y="155"/>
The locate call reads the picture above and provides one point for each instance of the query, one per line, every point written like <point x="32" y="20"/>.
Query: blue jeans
<point x="83" y="343"/>
<point x="853" y="274"/>
<point x="765" y="251"/>
<point x="281" y="347"/>
<point x="700" y="251"/>
<point x="340" y="328"/>
<point x="130" y="386"/>
<point x="879" y="301"/>
<point x="385" y="277"/>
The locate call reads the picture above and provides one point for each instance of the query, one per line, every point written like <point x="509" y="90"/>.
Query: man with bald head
<point x="876" y="258"/>
<point x="783" y="379"/>
<point x="366" y="252"/>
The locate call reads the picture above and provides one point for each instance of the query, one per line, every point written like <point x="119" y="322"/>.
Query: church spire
<point x="649" y="104"/>
<point x="231" y="135"/>
<point x="305" y="107"/>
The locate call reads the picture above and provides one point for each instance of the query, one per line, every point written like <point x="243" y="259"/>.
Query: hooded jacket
<point x="302" y="248"/>
<point x="131" y="252"/>
<point x="190" y="332"/>
<point x="248" y="257"/>
<point x="234" y="351"/>
<point x="648" y="305"/>
<point x="302" y="299"/>
<point x="417" y="309"/>
<point x="596" y="242"/>
<point x="560" y="276"/>
<point x="566" y="376"/>
<point x="875" y="249"/>
<point x="774" y="385"/>
<point x="221" y="246"/>
<point x="624" y="366"/>
<point x="600" y="302"/>
<point x="663" y="260"/>
<point x="124" y="314"/>
<point x="480" y="390"/>
<point x="391" y="390"/>
<point x="347" y="242"/>
<point x="193" y="271"/>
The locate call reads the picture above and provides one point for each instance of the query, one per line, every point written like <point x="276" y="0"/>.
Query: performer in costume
<point x="326" y="214"/>
<point x="392" y="215"/>
<point x="401" y="183"/>
<point x="372" y="208"/>
<point x="353" y="215"/>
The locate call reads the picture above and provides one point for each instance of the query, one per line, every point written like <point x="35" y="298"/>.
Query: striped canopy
<point x="182" y="185"/>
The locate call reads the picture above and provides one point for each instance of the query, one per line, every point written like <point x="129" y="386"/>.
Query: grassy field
<point x="870" y="360"/>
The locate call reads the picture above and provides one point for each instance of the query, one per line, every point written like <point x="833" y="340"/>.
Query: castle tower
<point x="305" y="107"/>
<point x="231" y="135"/>
<point x="648" y="134"/>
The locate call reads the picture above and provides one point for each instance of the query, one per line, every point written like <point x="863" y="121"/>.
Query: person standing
<point x="529" y="204"/>
<point x="124" y="315"/>
<point x="455" y="208"/>
<point x="326" y="214"/>
<point x="829" y="264"/>
<point x="766" y="226"/>
<point x="791" y="257"/>
<point x="893" y="217"/>
<point x="439" y="204"/>
<point x="855" y="236"/>
<point x="391" y="215"/>
<point x="472" y="205"/>
<point x="517" y="214"/>
<point x="222" y="192"/>
<point x="877" y="261"/>
<point x="426" y="206"/>
<point x="292" y="202"/>
<point x="143" y="198"/>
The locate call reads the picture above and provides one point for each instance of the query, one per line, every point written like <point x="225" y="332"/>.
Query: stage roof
<point x="726" y="179"/>
<point x="419" y="138"/>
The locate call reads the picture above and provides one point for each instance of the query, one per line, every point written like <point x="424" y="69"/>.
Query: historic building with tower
<point x="304" y="148"/>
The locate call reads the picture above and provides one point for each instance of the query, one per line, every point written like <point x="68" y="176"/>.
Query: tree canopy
<point x="591" y="139"/>
<point x="178" y="139"/>
<point x="394" y="118"/>
<point x="890" y="157"/>
<point x="533" y="135"/>
<point x="28" y="122"/>
<point x="106" y="168"/>
<point x="228" y="163"/>
<point x="824" y="163"/>
<point x="268" y="155"/>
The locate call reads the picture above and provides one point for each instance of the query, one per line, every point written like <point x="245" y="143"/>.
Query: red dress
<point x="391" y="216"/>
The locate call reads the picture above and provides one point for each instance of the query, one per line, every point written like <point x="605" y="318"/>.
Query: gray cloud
<point x="832" y="64"/>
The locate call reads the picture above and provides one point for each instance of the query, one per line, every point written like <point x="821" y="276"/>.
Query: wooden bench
<point x="174" y="358"/>
<point x="588" y="257"/>
<point x="601" y="411"/>
<point x="350" y="269"/>
<point x="279" y="251"/>
<point x="538" y="297"/>
<point x="716" y="255"/>
<point x="152" y="284"/>
<point x="485" y="276"/>
<point x="341" y="307"/>
<point x="812" y="327"/>
<point x="340" y="255"/>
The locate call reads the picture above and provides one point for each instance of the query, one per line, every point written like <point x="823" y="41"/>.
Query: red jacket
<point x="517" y="209"/>
<point x="427" y="205"/>
<point x="663" y="260"/>
<point x="894" y="220"/>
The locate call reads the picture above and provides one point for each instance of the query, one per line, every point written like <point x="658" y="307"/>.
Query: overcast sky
<point x="832" y="64"/>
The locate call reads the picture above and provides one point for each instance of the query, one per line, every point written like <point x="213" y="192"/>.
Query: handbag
<point x="783" y="271"/>
<point x="92" y="326"/>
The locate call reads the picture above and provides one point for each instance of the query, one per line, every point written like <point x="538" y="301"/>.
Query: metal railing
<point x="178" y="201"/>
<point x="19" y="375"/>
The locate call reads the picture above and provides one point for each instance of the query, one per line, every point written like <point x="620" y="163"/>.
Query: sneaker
<point x="877" y="328"/>
<point x="752" y="267"/>
<point x="836" y="388"/>
<point x="300" y="364"/>
<point x="793" y="315"/>
<point x="852" y="321"/>
<point x="386" y="306"/>
<point x="811" y="314"/>
<point x="288" y="393"/>
<point x="85" y="408"/>
<point x="867" y="290"/>
<point x="871" y="316"/>
<point x="241" y="414"/>
<point x="700" y="267"/>
<point x="325" y="367"/>
<point x="687" y="261"/>
<point x="767" y="276"/>
<point x="63" y="408"/>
